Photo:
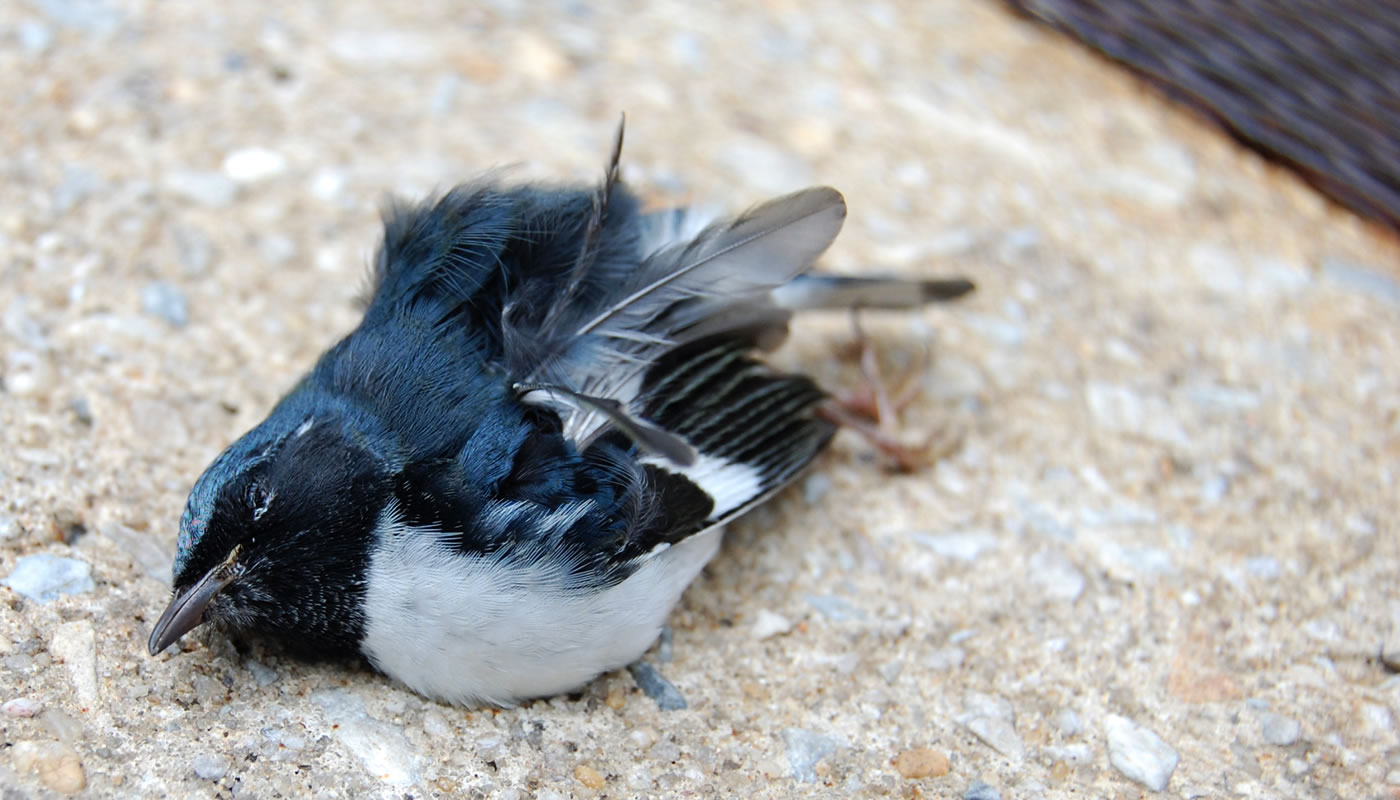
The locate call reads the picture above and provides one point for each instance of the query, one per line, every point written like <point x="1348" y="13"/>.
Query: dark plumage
<point x="550" y="396"/>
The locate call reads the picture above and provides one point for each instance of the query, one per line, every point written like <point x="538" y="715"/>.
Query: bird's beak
<point x="186" y="611"/>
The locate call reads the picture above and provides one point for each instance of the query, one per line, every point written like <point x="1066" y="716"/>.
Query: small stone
<point x="1067" y="722"/>
<point x="262" y="673"/>
<point x="1213" y="490"/>
<point x="616" y="699"/>
<point x="1124" y="410"/>
<point x="764" y="166"/>
<point x="21" y="707"/>
<point x="276" y="249"/>
<point x="1363" y="279"/>
<point x="834" y="608"/>
<point x="1138" y="753"/>
<point x="943" y="659"/>
<point x="146" y="555"/>
<point x="35" y="37"/>
<point x="26" y="372"/>
<point x="805" y="749"/>
<point x="208" y="189"/>
<point x="1263" y="567"/>
<point x="1278" y="729"/>
<point x="588" y="776"/>
<point x="382" y="748"/>
<point x="767" y="624"/>
<point x="328" y="184"/>
<point x="435" y="724"/>
<point x="1056" y="575"/>
<point x="193" y="248"/>
<point x="981" y="791"/>
<point x="922" y="762"/>
<point x="166" y="301"/>
<point x="655" y="686"/>
<point x="817" y="486"/>
<point x="444" y="94"/>
<point x="210" y="767"/>
<point x="43" y="577"/>
<point x="57" y="764"/>
<point x="383" y="48"/>
<point x="540" y="59"/>
<point x="992" y="719"/>
<point x="966" y="547"/>
<point x="64" y="727"/>
<point x="75" y="643"/>
<point x="77" y="184"/>
<point x="253" y="164"/>
<point x="9" y="527"/>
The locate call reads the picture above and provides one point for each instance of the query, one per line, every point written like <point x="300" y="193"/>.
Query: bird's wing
<point x="714" y="282"/>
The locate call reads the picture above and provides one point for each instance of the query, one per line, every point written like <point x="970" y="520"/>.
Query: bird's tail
<point x="815" y="290"/>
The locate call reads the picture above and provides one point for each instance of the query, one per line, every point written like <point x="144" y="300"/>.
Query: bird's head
<point x="275" y="539"/>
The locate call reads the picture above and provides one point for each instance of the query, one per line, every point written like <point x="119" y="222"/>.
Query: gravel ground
<point x="1162" y="558"/>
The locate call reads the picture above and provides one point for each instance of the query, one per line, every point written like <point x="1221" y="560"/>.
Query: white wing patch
<point x="731" y="484"/>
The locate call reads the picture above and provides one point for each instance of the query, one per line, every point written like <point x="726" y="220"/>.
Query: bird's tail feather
<point x="815" y="290"/>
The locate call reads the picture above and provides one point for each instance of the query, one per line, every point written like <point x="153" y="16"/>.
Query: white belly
<point x="468" y="629"/>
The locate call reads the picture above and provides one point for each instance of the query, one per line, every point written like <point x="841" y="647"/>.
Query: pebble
<point x="943" y="659"/>
<point x="208" y="189"/>
<point x="834" y="608"/>
<point x="146" y="555"/>
<point x="1056" y="575"/>
<point x="35" y="37"/>
<point x="210" y="766"/>
<point x="1067" y="722"/>
<point x="9" y="527"/>
<point x="193" y="248"/>
<point x="262" y="673"/>
<point x="1278" y="729"/>
<point x="253" y="164"/>
<point x="276" y="249"/>
<point x="979" y="790"/>
<point x="966" y="547"/>
<point x="805" y="749"/>
<point x="64" y="727"/>
<point x="922" y="762"/>
<point x="26" y="372"/>
<point x="817" y="486"/>
<point x="382" y="748"/>
<point x="435" y="724"/>
<point x="43" y="577"/>
<point x="1362" y="279"/>
<point x="763" y="166"/>
<point x="57" y="764"/>
<point x="992" y="719"/>
<point x="383" y="48"/>
<point x="75" y="643"/>
<point x="589" y="776"/>
<point x="77" y="184"/>
<point x="768" y="624"/>
<point x="21" y="707"/>
<point x="1138" y="753"/>
<point x="1121" y="409"/>
<point x="1263" y="567"/>
<point x="166" y="301"/>
<point x="655" y="686"/>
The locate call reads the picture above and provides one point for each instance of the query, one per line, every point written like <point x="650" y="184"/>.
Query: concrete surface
<point x="1163" y="556"/>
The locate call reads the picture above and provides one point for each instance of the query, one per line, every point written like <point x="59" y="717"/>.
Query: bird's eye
<point x="259" y="498"/>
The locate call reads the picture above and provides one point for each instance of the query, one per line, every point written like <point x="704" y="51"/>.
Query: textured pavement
<point x="1162" y="554"/>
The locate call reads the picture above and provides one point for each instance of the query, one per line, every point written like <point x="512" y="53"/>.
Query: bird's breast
<point x="467" y="628"/>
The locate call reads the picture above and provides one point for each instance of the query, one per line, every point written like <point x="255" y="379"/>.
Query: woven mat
<point x="1313" y="83"/>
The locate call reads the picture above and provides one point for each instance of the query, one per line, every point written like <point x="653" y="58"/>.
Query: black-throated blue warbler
<point x="498" y="485"/>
